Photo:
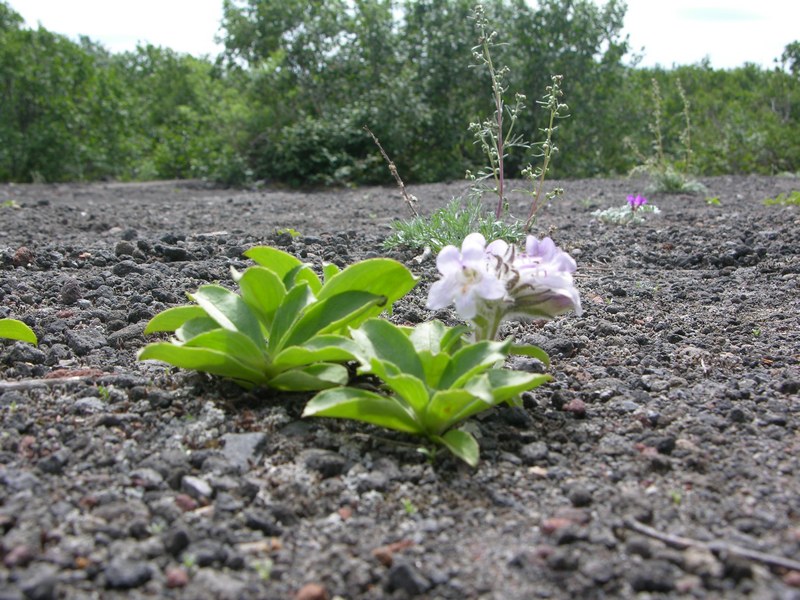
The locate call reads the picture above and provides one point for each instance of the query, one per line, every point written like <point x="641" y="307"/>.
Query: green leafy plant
<point x="287" y="329"/>
<point x="450" y="225"/>
<point x="713" y="201"/>
<point x="13" y="329"/>
<point x="432" y="380"/>
<point x="666" y="174"/>
<point x="790" y="199"/>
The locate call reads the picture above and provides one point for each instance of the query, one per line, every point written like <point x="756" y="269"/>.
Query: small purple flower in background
<point x="466" y="278"/>
<point x="636" y="201"/>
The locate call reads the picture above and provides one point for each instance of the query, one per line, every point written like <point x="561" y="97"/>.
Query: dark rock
<point x="175" y="541"/>
<point x="54" y="464"/>
<point x="25" y="353"/>
<point x="71" y="292"/>
<point x="262" y="521"/>
<point x="124" y="248"/>
<point x="127" y="574"/>
<point x="579" y="496"/>
<point x="406" y="577"/>
<point x="326" y="462"/>
<point x="126" y="267"/>
<point x="208" y="553"/>
<point x="653" y="576"/>
<point x="563" y="559"/>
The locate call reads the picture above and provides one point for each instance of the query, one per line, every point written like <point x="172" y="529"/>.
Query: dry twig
<point x="716" y="547"/>
<point x="410" y="199"/>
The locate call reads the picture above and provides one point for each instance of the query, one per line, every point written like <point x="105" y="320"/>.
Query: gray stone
<point x="197" y="488"/>
<point x="40" y="584"/>
<point x="83" y="341"/>
<point x="87" y="406"/>
<point x="219" y="585"/>
<point x="244" y="449"/>
<point x="533" y="453"/>
<point x="127" y="574"/>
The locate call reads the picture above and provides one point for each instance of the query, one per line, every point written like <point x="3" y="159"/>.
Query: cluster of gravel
<point x="662" y="461"/>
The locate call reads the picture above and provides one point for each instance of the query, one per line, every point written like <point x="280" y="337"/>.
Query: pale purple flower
<point x="545" y="286"/>
<point x="468" y="278"/>
<point x="635" y="201"/>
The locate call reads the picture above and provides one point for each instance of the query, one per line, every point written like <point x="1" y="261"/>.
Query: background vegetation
<point x="298" y="79"/>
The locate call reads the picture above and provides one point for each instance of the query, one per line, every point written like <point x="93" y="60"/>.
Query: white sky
<point x="671" y="32"/>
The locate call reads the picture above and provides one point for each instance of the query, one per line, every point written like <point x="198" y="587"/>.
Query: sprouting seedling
<point x="409" y="507"/>
<point x="105" y="393"/>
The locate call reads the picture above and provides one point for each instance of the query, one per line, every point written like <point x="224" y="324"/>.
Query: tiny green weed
<point x="784" y="199"/>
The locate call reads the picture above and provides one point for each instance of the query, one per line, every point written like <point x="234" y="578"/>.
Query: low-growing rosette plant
<point x="632" y="212"/>
<point x="431" y="380"/>
<point x="287" y="328"/>
<point x="13" y="329"/>
<point x="489" y="284"/>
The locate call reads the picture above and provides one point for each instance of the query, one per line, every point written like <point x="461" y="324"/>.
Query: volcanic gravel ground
<point x="662" y="461"/>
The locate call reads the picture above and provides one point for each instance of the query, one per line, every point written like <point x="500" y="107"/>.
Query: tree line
<point x="287" y="99"/>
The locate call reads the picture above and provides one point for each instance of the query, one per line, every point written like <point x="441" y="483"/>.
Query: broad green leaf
<point x="288" y="313"/>
<point x="318" y="376"/>
<point x="277" y="261"/>
<point x="230" y="311"/>
<point x="444" y="406"/>
<point x="172" y="318"/>
<point x="363" y="405"/>
<point x="194" y="327"/>
<point x="462" y="444"/>
<point x="330" y="315"/>
<point x="434" y="365"/>
<point x="471" y="360"/>
<point x="263" y="291"/>
<point x="428" y="336"/>
<point x="406" y="386"/>
<point x="532" y="351"/>
<point x="329" y="270"/>
<point x="13" y="329"/>
<point x="234" y="344"/>
<point x="380" y="339"/>
<point x="321" y="348"/>
<point x="381" y="276"/>
<point x="453" y="340"/>
<point x="302" y="274"/>
<point x="506" y="384"/>
<point x="202" y="359"/>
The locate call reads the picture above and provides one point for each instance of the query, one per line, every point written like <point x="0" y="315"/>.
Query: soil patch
<point x="661" y="461"/>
